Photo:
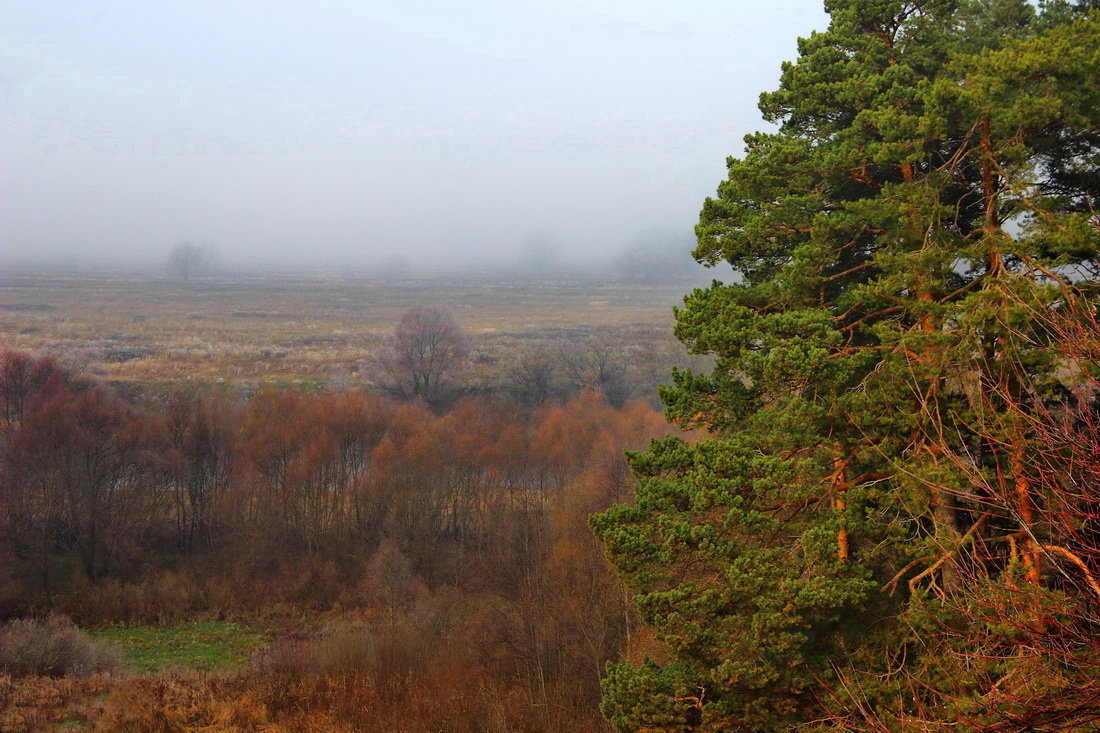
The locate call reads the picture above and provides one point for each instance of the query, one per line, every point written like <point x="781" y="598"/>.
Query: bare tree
<point x="427" y="346"/>
<point x="597" y="365"/>
<point x="534" y="376"/>
<point x="656" y="256"/>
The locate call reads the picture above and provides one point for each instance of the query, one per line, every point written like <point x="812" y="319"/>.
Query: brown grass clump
<point x="53" y="647"/>
<point x="44" y="704"/>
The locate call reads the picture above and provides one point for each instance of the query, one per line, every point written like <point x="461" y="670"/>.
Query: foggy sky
<point x="348" y="131"/>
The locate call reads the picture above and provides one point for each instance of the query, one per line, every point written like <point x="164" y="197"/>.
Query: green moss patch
<point x="200" y="645"/>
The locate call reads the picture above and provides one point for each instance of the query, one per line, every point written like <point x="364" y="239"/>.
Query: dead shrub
<point x="386" y="652"/>
<point x="53" y="647"/>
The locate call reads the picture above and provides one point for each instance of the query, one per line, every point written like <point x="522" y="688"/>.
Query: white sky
<point x="342" y="131"/>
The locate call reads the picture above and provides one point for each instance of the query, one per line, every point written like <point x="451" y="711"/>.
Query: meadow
<point x="144" y="328"/>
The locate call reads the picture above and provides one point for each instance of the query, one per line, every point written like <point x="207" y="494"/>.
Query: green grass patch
<point x="200" y="645"/>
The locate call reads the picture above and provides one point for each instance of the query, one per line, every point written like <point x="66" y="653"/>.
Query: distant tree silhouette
<point x="427" y="347"/>
<point x="655" y="256"/>
<point x="187" y="261"/>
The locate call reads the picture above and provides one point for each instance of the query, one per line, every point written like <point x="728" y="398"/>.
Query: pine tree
<point x="901" y="243"/>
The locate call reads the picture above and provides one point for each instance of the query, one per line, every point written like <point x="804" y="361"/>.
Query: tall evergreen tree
<point x="901" y="241"/>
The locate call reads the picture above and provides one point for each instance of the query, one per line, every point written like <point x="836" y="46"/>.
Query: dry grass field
<point x="133" y="328"/>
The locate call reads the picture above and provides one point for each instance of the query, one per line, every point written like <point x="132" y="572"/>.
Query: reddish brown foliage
<point x="449" y="552"/>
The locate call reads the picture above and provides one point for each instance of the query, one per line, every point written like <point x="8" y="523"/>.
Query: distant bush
<point x="126" y="353"/>
<point x="53" y="647"/>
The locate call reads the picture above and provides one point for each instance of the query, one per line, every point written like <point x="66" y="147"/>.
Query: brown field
<point x="312" y="329"/>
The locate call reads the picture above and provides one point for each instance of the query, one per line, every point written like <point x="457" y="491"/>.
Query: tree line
<point x="97" y="486"/>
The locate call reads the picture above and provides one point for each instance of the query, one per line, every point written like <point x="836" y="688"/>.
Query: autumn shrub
<point x="387" y="647"/>
<point x="53" y="647"/>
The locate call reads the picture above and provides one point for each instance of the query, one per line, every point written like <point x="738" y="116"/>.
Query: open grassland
<point x="199" y="645"/>
<point x="312" y="330"/>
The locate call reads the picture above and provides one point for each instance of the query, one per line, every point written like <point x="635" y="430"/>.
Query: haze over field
<point x="352" y="132"/>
